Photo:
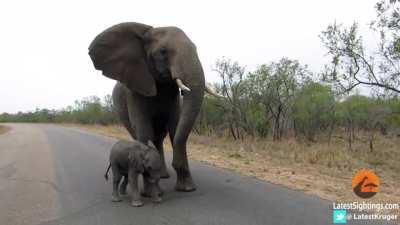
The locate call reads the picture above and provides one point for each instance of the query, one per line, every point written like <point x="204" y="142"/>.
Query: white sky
<point x="43" y="44"/>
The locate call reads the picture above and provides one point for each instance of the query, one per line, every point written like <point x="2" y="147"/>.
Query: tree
<point x="352" y="65"/>
<point x="274" y="87"/>
<point x="233" y="87"/>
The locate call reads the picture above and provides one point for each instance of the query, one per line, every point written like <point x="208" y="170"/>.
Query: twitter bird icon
<point x="339" y="217"/>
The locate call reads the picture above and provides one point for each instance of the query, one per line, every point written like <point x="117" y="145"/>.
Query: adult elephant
<point x="152" y="67"/>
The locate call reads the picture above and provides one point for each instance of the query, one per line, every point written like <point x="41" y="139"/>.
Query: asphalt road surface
<point x="54" y="175"/>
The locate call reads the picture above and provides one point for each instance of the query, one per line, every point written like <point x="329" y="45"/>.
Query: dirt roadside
<point x="4" y="129"/>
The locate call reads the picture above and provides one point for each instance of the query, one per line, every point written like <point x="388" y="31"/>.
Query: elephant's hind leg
<point x="116" y="181"/>
<point x="120" y="107"/>
<point x="123" y="186"/>
<point x="159" y="124"/>
<point x="158" y="142"/>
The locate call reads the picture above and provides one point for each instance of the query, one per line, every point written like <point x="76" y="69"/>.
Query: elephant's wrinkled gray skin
<point x="130" y="159"/>
<point x="149" y="64"/>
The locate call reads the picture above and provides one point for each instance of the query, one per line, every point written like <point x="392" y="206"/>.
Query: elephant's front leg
<point x="180" y="163"/>
<point x="133" y="182"/>
<point x="149" y="187"/>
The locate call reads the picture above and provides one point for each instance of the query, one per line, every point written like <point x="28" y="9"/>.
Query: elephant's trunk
<point x="191" y="105"/>
<point x="189" y="70"/>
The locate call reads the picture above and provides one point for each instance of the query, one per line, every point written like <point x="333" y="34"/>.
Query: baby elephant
<point x="129" y="159"/>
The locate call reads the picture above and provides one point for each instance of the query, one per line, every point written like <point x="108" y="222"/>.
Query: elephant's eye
<point x="163" y="51"/>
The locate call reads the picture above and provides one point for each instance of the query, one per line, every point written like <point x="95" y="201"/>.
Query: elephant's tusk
<point x="181" y="85"/>
<point x="210" y="91"/>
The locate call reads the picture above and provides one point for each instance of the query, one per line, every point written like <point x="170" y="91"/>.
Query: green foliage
<point x="393" y="118"/>
<point x="364" y="112"/>
<point x="89" y="110"/>
<point x="355" y="109"/>
<point x="211" y="116"/>
<point x="37" y="116"/>
<point x="314" y="110"/>
<point x="258" y="121"/>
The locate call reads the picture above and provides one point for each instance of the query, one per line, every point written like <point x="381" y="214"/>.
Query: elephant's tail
<point x="108" y="169"/>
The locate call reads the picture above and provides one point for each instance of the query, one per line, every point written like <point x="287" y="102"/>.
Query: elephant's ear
<point x="119" y="53"/>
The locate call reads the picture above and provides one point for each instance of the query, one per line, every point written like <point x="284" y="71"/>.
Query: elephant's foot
<point x="156" y="199"/>
<point x="136" y="203"/>
<point x="115" y="198"/>
<point x="185" y="184"/>
<point x="147" y="192"/>
<point x="184" y="181"/>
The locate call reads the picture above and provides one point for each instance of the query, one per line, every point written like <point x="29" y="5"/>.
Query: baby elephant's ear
<point x="150" y="144"/>
<point x="136" y="162"/>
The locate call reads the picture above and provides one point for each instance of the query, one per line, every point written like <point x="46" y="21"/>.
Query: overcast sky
<point x="43" y="44"/>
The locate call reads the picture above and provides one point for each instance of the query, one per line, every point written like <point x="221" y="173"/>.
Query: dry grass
<point x="113" y="131"/>
<point x="318" y="169"/>
<point x="4" y="129"/>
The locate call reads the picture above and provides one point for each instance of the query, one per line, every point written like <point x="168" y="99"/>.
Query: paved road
<point x="54" y="175"/>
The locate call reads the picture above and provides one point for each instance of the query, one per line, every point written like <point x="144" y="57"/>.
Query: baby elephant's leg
<point x="133" y="182"/>
<point x="155" y="193"/>
<point x="146" y="192"/>
<point x="124" y="184"/>
<point x="116" y="180"/>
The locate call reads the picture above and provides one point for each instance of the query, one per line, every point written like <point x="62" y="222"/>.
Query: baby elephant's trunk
<point x="106" y="174"/>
